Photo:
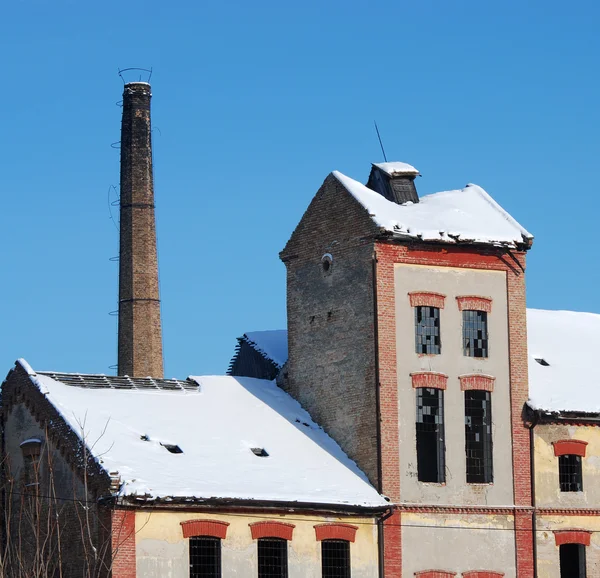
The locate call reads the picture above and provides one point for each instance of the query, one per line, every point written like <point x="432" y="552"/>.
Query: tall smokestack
<point x="140" y="334"/>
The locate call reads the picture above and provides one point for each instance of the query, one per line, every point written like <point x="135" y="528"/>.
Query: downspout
<point x="380" y="521"/>
<point x="532" y="474"/>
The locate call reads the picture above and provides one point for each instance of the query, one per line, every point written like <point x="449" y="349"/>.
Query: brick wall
<point x="123" y="543"/>
<point x="331" y="367"/>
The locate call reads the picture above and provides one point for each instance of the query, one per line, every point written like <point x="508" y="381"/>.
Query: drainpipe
<point x="380" y="543"/>
<point x="534" y="422"/>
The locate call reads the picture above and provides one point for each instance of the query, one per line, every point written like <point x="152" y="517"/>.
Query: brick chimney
<point x="140" y="334"/>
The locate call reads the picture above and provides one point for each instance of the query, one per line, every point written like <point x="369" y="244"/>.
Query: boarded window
<point x="430" y="435"/>
<point x="335" y="559"/>
<point x="272" y="558"/>
<point x="427" y="330"/>
<point x="569" y="473"/>
<point x="475" y="334"/>
<point x="572" y="561"/>
<point x="478" y="436"/>
<point x="205" y="557"/>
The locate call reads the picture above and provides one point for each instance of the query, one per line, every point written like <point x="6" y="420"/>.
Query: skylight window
<point x="260" y="452"/>
<point x="174" y="449"/>
<point x="542" y="361"/>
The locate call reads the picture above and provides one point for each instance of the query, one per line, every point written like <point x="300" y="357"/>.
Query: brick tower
<point x="140" y="335"/>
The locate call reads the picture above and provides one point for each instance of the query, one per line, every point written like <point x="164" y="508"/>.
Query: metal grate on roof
<point x="121" y="382"/>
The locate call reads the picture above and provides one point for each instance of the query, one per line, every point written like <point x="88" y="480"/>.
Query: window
<point x="427" y="330"/>
<point x="478" y="436"/>
<point x="205" y="557"/>
<point x="569" y="473"/>
<point x="31" y="451"/>
<point x="430" y="435"/>
<point x="272" y="558"/>
<point x="335" y="559"/>
<point x="475" y="333"/>
<point x="572" y="561"/>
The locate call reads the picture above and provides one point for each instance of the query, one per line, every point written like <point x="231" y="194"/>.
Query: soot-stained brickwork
<point x="140" y="336"/>
<point x="330" y="309"/>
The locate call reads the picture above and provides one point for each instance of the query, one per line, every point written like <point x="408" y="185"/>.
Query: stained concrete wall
<point x="458" y="543"/>
<point x="547" y="488"/>
<point x="548" y="553"/>
<point x="454" y="282"/>
<point x="163" y="552"/>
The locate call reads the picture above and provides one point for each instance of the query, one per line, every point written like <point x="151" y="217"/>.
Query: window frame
<point x="428" y="336"/>
<point x="346" y="570"/>
<point x="429" y="428"/>
<point x="479" y="469"/>
<point x="570" y="481"/>
<point x="262" y="544"/>
<point x="470" y="335"/>
<point x="218" y="560"/>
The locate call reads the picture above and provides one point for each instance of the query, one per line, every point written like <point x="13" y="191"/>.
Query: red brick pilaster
<point x="392" y="546"/>
<point x="123" y="543"/>
<point x="524" y="543"/>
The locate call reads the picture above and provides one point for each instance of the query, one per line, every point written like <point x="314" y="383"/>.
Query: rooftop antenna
<point x="380" y="143"/>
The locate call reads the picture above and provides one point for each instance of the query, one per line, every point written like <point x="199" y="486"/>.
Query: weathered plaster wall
<point x="547" y="488"/>
<point x="458" y="543"/>
<point x="548" y="551"/>
<point x="163" y="552"/>
<point x="453" y="282"/>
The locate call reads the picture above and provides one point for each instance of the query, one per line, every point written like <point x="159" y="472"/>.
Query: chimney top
<point x="395" y="181"/>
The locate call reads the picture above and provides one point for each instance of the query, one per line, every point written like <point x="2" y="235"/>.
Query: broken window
<point x="475" y="333"/>
<point x="478" y="436"/>
<point x="272" y="558"/>
<point x="427" y="330"/>
<point x="31" y="451"/>
<point x="335" y="559"/>
<point x="205" y="557"/>
<point x="430" y="435"/>
<point x="569" y="473"/>
<point x="572" y="561"/>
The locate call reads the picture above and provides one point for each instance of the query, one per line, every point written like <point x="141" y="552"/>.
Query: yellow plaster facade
<point x="162" y="551"/>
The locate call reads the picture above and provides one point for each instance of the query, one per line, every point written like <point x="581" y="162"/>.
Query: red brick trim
<point x="482" y="574"/>
<point x="336" y="532"/>
<point x="569" y="447"/>
<point x="568" y="511"/>
<point x="123" y="543"/>
<point x="492" y="510"/>
<point x="392" y="546"/>
<point x="429" y="379"/>
<point x="477" y="381"/>
<point x="271" y="530"/>
<point x="572" y="537"/>
<point x="474" y="303"/>
<point x="426" y="299"/>
<point x="213" y="528"/>
<point x="435" y="574"/>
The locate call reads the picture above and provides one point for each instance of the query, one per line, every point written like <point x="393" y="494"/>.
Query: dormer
<point x="395" y="181"/>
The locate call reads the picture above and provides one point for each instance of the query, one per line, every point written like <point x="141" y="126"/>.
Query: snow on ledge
<point x="396" y="168"/>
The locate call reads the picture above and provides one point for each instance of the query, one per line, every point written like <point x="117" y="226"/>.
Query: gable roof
<point x="467" y="215"/>
<point x="215" y="422"/>
<point x="568" y="342"/>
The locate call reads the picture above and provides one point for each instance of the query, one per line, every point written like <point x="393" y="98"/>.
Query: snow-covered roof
<point x="459" y="216"/>
<point x="272" y="344"/>
<point x="216" y="425"/>
<point x="568" y="342"/>
<point x="396" y="168"/>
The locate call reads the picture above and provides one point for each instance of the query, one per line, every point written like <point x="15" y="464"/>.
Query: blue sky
<point x="255" y="103"/>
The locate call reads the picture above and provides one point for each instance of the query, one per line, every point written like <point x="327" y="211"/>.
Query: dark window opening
<point x="572" y="561"/>
<point x="430" y="435"/>
<point x="478" y="436"/>
<point x="272" y="558"/>
<point x="205" y="557"/>
<point x="31" y="470"/>
<point x="569" y="473"/>
<point x="335" y="559"/>
<point x="475" y="333"/>
<point x="427" y="330"/>
<point x="260" y="452"/>
<point x="542" y="361"/>
<point x="174" y="449"/>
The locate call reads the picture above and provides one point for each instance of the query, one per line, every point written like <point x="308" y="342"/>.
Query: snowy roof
<point x="272" y="344"/>
<point x="396" y="168"/>
<point x="216" y="425"/>
<point x="459" y="216"/>
<point x="568" y="342"/>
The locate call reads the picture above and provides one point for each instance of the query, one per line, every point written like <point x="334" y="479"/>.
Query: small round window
<point x="327" y="263"/>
